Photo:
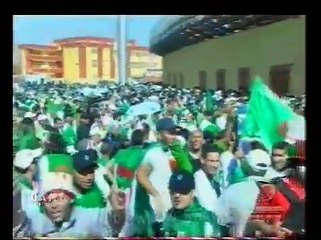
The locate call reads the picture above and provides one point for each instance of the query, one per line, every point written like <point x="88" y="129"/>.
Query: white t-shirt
<point x="159" y="161"/>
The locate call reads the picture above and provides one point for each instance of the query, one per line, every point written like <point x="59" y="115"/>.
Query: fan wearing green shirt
<point x="187" y="218"/>
<point x="88" y="193"/>
<point x="27" y="135"/>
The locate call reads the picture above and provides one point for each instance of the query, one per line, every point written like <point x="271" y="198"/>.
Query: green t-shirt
<point x="93" y="198"/>
<point x="28" y="141"/>
<point x="194" y="221"/>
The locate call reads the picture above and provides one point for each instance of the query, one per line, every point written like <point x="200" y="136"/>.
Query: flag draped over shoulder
<point x="266" y="115"/>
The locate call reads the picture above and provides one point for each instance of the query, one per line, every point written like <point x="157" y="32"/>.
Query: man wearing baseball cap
<point x="88" y="193"/>
<point x="153" y="177"/>
<point x="24" y="184"/>
<point x="157" y="166"/>
<point x="187" y="218"/>
<point x="59" y="214"/>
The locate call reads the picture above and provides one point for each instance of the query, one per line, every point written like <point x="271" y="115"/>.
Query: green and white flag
<point x="266" y="115"/>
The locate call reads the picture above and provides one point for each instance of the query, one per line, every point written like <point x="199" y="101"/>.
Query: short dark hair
<point x="282" y="146"/>
<point x="20" y="170"/>
<point x="57" y="119"/>
<point x="257" y="145"/>
<point x="27" y="122"/>
<point x="106" y="149"/>
<point x="137" y="137"/>
<point x="208" y="148"/>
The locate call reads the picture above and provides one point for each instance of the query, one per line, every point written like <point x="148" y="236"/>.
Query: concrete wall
<point x="259" y="49"/>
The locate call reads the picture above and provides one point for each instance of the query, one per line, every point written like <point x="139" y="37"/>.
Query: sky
<point x="45" y="29"/>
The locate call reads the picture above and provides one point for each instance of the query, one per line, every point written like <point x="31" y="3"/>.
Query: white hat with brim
<point x="24" y="158"/>
<point x="94" y="131"/>
<point x="29" y="115"/>
<point x="42" y="117"/>
<point x="259" y="160"/>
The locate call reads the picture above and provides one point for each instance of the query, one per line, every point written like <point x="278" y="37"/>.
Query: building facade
<point x="275" y="51"/>
<point x="87" y="60"/>
<point x="84" y="60"/>
<point x="41" y="60"/>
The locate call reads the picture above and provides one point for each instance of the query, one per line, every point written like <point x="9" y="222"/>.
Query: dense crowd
<point x="144" y="160"/>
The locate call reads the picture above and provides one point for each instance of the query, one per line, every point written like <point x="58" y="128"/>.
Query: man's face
<point x="32" y="169"/>
<point x="279" y="159"/>
<point x="196" y="141"/>
<point x="59" y="124"/>
<point x="167" y="137"/>
<point x="181" y="201"/>
<point x="96" y="138"/>
<point x="84" y="121"/>
<point x="211" y="163"/>
<point x="57" y="206"/>
<point x="44" y="122"/>
<point x="85" y="179"/>
<point x="69" y="120"/>
<point x="197" y="92"/>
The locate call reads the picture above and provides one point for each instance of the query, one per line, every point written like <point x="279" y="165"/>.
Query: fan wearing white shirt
<point x="208" y="180"/>
<point x="158" y="164"/>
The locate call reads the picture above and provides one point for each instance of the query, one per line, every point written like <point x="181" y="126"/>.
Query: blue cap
<point x="181" y="182"/>
<point x="166" y="124"/>
<point x="84" y="160"/>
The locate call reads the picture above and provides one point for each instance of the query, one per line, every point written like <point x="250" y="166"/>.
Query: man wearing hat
<point x="88" y="194"/>
<point x="58" y="215"/>
<point x="187" y="218"/>
<point x="261" y="209"/>
<point x="40" y="126"/>
<point x="154" y="173"/>
<point x="24" y="185"/>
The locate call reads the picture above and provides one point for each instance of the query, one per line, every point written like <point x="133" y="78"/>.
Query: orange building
<point x="87" y="59"/>
<point x="83" y="60"/>
<point x="41" y="59"/>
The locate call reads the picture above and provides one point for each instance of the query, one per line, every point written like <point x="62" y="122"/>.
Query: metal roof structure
<point x="178" y="32"/>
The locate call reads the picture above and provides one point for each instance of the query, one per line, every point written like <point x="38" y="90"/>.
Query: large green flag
<point x="266" y="114"/>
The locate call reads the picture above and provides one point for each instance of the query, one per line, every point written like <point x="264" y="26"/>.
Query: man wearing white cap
<point x="24" y="188"/>
<point x="57" y="215"/>
<point x="41" y="132"/>
<point x="30" y="115"/>
<point x="244" y="213"/>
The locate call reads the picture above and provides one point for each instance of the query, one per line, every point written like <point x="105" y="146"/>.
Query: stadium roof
<point x="188" y="30"/>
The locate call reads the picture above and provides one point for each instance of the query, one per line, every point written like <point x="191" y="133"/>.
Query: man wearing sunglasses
<point x="187" y="218"/>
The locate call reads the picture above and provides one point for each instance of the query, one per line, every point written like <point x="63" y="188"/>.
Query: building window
<point x="220" y="79"/>
<point x="280" y="79"/>
<point x="94" y="51"/>
<point x="202" y="75"/>
<point x="181" y="80"/>
<point x="244" y="76"/>
<point x="94" y="63"/>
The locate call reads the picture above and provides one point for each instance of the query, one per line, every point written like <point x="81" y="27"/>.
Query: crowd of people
<point x="144" y="160"/>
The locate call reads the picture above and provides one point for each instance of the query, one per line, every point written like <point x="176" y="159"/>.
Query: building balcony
<point x="45" y="58"/>
<point x="49" y="69"/>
